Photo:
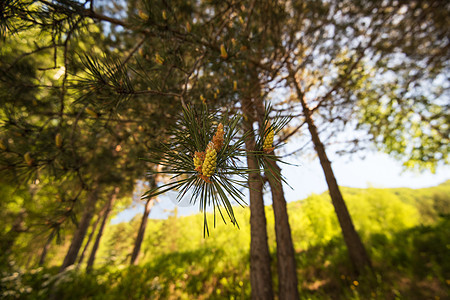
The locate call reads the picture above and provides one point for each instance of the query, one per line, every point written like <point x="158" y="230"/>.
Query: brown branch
<point x="31" y="53"/>
<point x="66" y="65"/>
<point x="297" y="150"/>
<point x="292" y="133"/>
<point x="152" y="92"/>
<point x="133" y="51"/>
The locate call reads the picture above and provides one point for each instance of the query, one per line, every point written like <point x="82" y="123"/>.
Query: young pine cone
<point x="209" y="165"/>
<point x="199" y="157"/>
<point x="218" y="138"/>
<point x="268" y="141"/>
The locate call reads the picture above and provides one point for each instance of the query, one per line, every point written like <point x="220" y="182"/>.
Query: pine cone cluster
<point x="205" y="162"/>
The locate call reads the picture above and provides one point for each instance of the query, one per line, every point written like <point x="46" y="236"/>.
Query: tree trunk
<point x="91" y="235"/>
<point x="80" y="232"/>
<point x="141" y="232"/>
<point x="287" y="270"/>
<point x="260" y="273"/>
<point x="46" y="246"/>
<point x="109" y="205"/>
<point x="357" y="252"/>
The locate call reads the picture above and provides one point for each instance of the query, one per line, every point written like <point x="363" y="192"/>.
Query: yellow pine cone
<point x="159" y="59"/>
<point x="209" y="165"/>
<point x="28" y="159"/>
<point x="164" y="15"/>
<point x="58" y="140"/>
<point x="235" y="85"/>
<point x="223" y="52"/>
<point x="199" y="157"/>
<point x="143" y="15"/>
<point x="218" y="138"/>
<point x="268" y="141"/>
<point x="188" y="27"/>
<point x="91" y="112"/>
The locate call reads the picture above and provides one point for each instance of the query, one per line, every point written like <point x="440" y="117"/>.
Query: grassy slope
<point x="405" y="230"/>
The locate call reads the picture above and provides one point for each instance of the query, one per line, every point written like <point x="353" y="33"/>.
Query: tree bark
<point x="356" y="249"/>
<point x="260" y="272"/>
<point x="80" y="232"/>
<point x="141" y="232"/>
<point x="287" y="270"/>
<point x="109" y="205"/>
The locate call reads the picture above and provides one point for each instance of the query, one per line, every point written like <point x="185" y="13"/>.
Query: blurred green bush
<point x="406" y="231"/>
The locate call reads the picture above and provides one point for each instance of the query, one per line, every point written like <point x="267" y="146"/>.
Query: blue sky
<point x="375" y="170"/>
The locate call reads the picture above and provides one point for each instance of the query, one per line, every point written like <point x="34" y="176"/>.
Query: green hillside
<point x="407" y="232"/>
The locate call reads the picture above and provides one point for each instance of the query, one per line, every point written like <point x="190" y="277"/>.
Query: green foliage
<point x="106" y="81"/>
<point x="379" y="211"/>
<point x="402" y="104"/>
<point x="377" y="68"/>
<point x="415" y="131"/>
<point x="408" y="251"/>
<point x="313" y="229"/>
<point x="61" y="128"/>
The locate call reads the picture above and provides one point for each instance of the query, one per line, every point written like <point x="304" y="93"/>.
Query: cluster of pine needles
<point x="204" y="159"/>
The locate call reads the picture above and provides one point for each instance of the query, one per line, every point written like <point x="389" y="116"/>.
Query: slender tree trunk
<point x="80" y="232"/>
<point x="141" y="232"/>
<point x="260" y="272"/>
<point x="91" y="235"/>
<point x="287" y="270"/>
<point x="45" y="249"/>
<point x="357" y="251"/>
<point x="109" y="205"/>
